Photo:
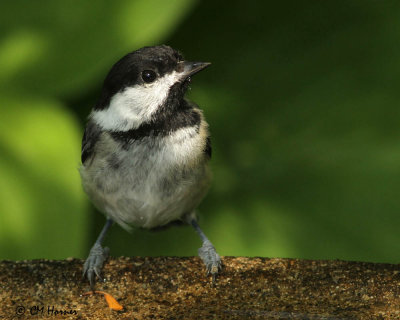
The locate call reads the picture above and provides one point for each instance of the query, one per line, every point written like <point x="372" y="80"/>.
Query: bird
<point x="146" y="151"/>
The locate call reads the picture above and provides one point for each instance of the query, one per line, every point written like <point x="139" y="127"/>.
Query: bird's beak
<point x="191" y="68"/>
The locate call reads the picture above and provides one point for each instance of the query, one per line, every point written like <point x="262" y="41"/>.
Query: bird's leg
<point x="207" y="252"/>
<point x="97" y="255"/>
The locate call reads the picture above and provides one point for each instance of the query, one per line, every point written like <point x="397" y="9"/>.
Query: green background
<point x="302" y="100"/>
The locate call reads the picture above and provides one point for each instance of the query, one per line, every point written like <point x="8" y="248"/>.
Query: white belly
<point x="150" y="183"/>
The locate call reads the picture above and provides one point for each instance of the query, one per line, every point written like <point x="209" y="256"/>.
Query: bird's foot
<point x="94" y="263"/>
<point x="211" y="259"/>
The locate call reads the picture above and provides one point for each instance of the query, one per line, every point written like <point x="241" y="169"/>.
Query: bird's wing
<point x="208" y="149"/>
<point x="90" y="137"/>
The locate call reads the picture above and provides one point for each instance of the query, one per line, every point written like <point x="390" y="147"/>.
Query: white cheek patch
<point x="135" y="105"/>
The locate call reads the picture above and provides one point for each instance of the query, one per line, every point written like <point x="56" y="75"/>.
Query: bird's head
<point x="141" y="83"/>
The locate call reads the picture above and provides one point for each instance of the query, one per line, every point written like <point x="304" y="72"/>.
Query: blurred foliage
<point x="42" y="207"/>
<point x="302" y="102"/>
<point x="60" y="47"/>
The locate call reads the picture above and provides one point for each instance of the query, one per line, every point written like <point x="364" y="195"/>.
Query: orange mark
<point x="111" y="301"/>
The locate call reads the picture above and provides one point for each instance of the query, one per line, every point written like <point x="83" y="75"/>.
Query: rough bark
<point x="177" y="288"/>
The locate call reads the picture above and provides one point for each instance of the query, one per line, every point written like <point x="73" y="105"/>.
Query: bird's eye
<point x="149" y="76"/>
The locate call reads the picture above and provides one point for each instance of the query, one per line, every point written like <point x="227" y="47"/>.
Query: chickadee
<point x="145" y="150"/>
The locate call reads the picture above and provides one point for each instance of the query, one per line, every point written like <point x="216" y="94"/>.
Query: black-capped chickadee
<point x="145" y="150"/>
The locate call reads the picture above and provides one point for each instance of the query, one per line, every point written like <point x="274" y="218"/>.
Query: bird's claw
<point x="211" y="259"/>
<point x="94" y="263"/>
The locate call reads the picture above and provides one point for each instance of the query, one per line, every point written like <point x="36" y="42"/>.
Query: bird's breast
<point x="151" y="181"/>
